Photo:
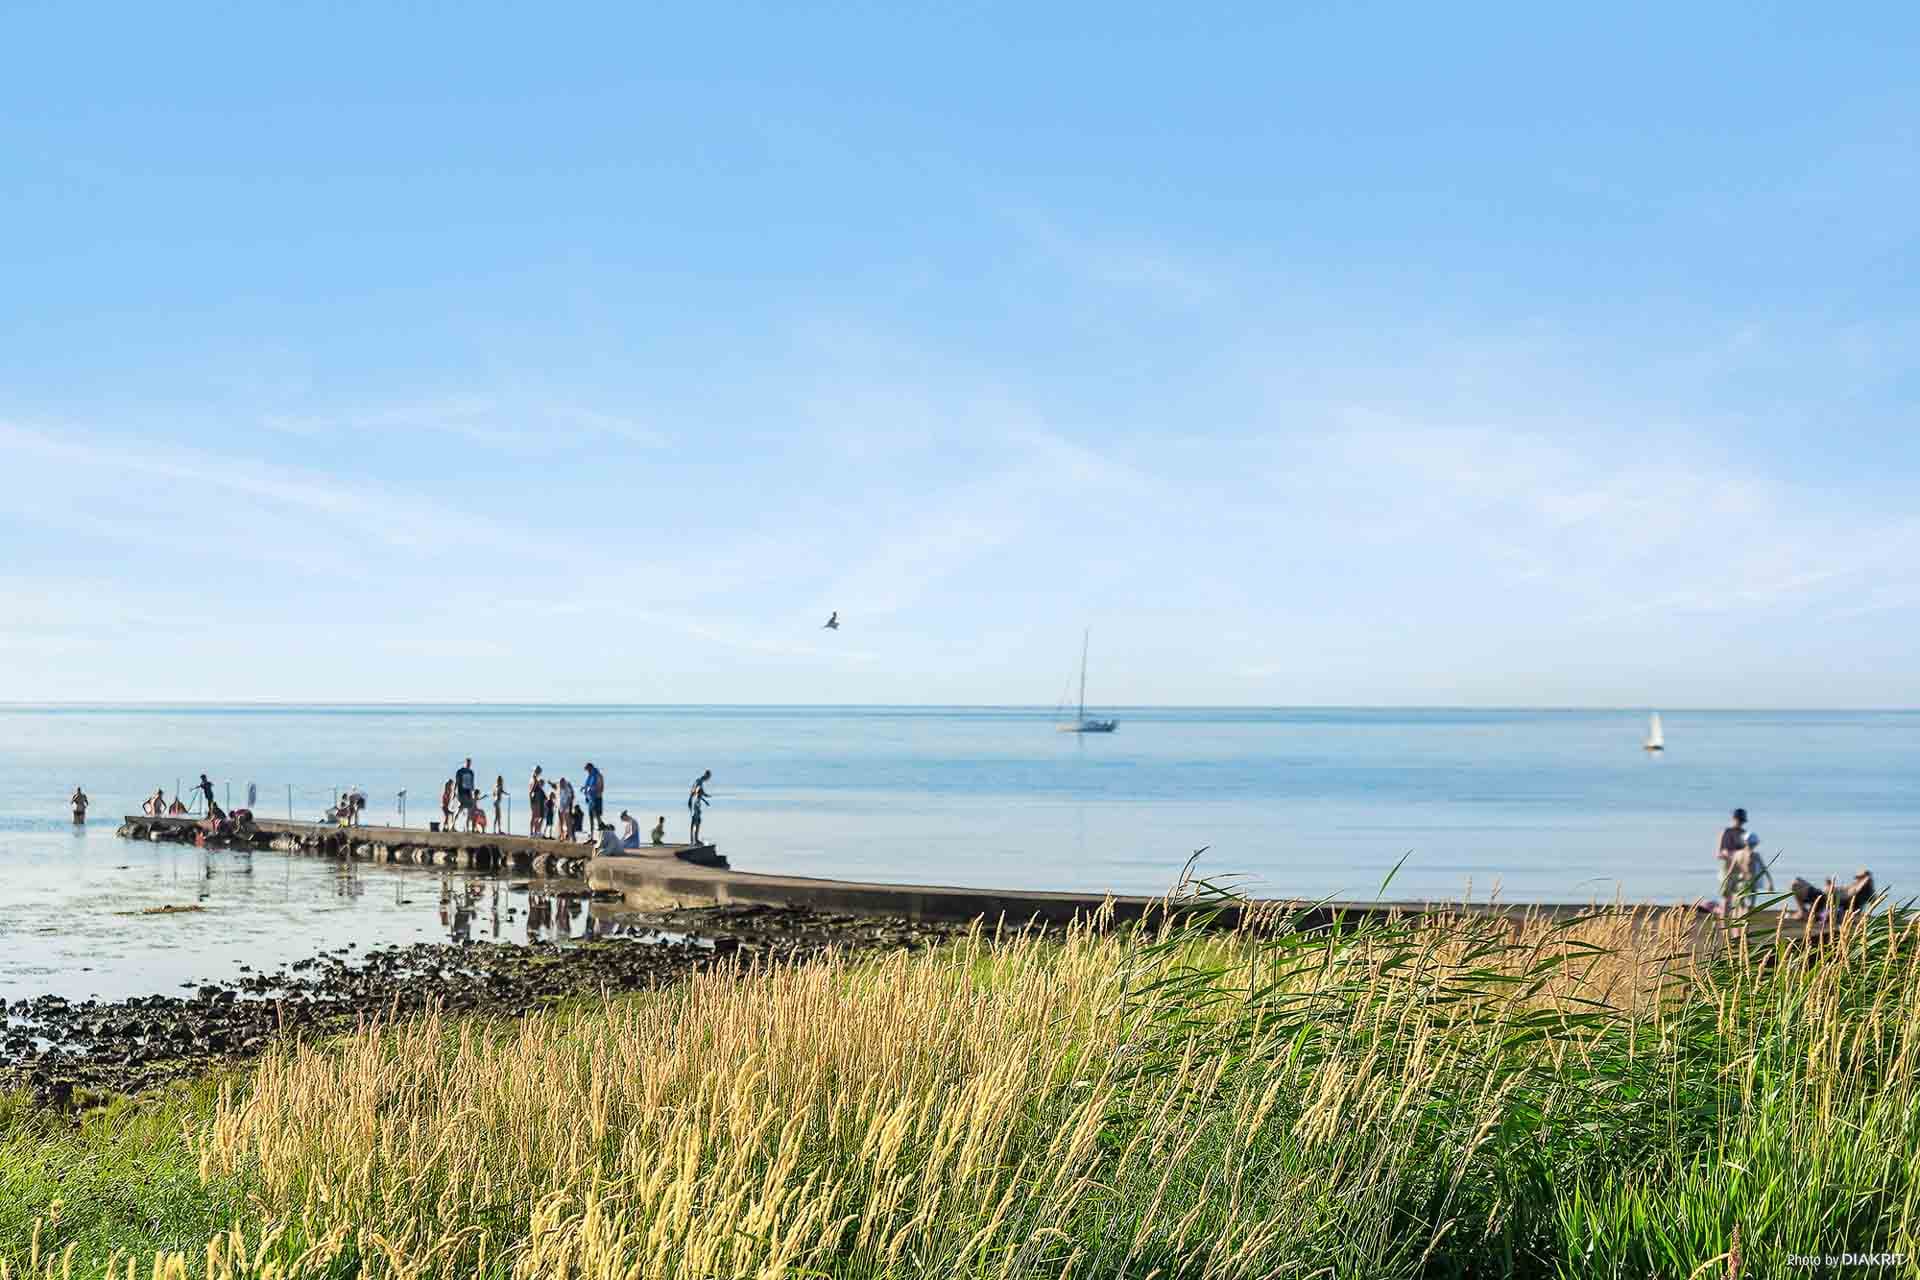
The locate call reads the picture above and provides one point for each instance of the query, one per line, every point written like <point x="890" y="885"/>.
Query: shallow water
<point x="1540" y="804"/>
<point x="81" y="916"/>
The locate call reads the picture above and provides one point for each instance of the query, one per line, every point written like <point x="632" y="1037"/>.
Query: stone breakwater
<point x="78" y="1053"/>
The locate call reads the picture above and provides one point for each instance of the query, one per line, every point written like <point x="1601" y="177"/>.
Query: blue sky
<point x="1357" y="354"/>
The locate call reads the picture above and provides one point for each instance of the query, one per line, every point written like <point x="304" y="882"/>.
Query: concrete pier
<point x="660" y="877"/>
<point x="654" y="884"/>
<point x="410" y="846"/>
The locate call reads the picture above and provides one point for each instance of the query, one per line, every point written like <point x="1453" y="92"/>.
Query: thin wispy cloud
<point x="1629" y="536"/>
<point x="1117" y="261"/>
<point x="204" y="501"/>
<point x="484" y="421"/>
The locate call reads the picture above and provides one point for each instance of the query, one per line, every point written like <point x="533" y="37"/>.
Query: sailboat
<point x="1656" y="739"/>
<point x="1081" y="724"/>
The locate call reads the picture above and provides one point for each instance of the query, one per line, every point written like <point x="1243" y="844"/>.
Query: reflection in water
<point x="89" y="923"/>
<point x="86" y="918"/>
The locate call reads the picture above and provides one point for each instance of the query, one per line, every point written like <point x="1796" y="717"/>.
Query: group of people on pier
<point x="157" y="805"/>
<point x="558" y="810"/>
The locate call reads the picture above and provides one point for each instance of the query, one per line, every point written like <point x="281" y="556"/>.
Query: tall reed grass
<point x="1452" y="1095"/>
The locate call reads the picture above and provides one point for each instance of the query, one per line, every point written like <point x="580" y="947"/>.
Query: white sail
<point x="1656" y="738"/>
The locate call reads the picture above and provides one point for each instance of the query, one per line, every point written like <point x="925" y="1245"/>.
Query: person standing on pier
<point x="699" y="789"/>
<point x="553" y="810"/>
<point x="593" y="789"/>
<point x="499" y="798"/>
<point x="536" y="803"/>
<point x="79" y="803"/>
<point x="565" y="800"/>
<point x="697" y="803"/>
<point x="464" y="786"/>
<point x="446" y="805"/>
<point x="205" y="788"/>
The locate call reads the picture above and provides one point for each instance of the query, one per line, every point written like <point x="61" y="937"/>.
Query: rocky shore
<point x="76" y="1053"/>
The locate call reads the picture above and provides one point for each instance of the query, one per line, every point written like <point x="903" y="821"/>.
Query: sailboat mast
<point x="1083" y="671"/>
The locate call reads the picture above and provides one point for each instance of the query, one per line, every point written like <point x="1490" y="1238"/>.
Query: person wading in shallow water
<point x="79" y="803"/>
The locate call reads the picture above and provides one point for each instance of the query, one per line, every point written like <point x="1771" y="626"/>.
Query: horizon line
<point x="396" y="704"/>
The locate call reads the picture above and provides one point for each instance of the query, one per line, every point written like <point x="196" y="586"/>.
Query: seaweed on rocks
<point x="66" y="1051"/>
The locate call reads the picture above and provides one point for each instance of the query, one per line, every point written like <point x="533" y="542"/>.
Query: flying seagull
<point x="832" y="623"/>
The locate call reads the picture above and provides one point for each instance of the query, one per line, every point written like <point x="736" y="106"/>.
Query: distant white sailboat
<point x="1656" y="738"/>
<point x="1081" y="724"/>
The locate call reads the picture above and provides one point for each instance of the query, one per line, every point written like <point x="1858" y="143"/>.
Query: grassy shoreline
<point x="1438" y="1096"/>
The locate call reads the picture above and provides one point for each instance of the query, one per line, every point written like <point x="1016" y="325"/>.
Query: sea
<point x="1413" y="804"/>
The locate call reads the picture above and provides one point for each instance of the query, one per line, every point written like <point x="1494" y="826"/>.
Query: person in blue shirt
<point x="464" y="786"/>
<point x="593" y="788"/>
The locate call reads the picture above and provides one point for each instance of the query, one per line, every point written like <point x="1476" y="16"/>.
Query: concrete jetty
<point x="413" y="847"/>
<point x="679" y="875"/>
<point x="656" y="884"/>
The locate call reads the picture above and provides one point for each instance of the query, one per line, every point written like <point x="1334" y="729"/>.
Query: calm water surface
<point x="1534" y="804"/>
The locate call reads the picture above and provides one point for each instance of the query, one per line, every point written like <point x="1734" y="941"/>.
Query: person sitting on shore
<point x="660" y="830"/>
<point x="1834" y="900"/>
<point x="608" y="843"/>
<point x="1858" y="895"/>
<point x="629" y="831"/>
